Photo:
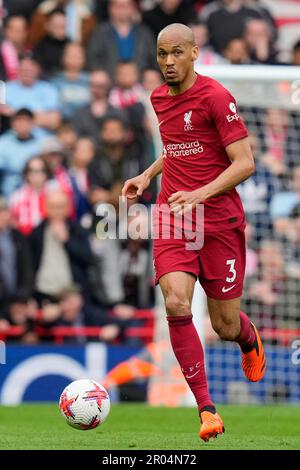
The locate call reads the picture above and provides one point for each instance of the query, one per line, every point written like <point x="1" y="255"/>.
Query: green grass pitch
<point x="142" y="427"/>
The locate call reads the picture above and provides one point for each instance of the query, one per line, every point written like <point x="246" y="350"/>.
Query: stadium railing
<point x="59" y="333"/>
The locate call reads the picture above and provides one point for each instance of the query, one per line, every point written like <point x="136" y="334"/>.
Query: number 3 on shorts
<point x="231" y="263"/>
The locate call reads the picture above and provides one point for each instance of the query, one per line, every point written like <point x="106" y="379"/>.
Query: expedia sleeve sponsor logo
<point x="232" y="117"/>
<point x="183" y="149"/>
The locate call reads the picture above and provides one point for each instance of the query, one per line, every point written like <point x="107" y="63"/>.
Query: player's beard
<point x="172" y="83"/>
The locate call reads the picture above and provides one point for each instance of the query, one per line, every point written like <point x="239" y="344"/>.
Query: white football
<point x="84" y="404"/>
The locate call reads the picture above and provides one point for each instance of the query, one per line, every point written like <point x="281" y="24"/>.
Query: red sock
<point x="188" y="350"/>
<point x="246" y="337"/>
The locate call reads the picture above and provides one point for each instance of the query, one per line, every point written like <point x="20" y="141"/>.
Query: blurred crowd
<point x="77" y="121"/>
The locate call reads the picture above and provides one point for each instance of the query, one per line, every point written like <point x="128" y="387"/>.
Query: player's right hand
<point x="135" y="187"/>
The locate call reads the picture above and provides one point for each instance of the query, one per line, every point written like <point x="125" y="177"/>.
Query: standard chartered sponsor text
<point x="183" y="149"/>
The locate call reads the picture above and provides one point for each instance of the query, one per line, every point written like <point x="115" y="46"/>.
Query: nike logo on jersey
<point x="226" y="289"/>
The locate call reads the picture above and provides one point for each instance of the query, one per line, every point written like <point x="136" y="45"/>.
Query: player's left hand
<point x="184" y="201"/>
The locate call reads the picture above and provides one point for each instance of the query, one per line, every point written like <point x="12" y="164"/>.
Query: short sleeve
<point x="224" y="113"/>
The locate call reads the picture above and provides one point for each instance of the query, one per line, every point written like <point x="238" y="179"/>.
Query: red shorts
<point x="219" y="264"/>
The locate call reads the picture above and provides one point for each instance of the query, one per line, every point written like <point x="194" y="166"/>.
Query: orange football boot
<point x="254" y="361"/>
<point x="211" y="426"/>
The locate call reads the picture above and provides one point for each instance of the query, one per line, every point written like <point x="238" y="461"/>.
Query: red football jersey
<point x="195" y="128"/>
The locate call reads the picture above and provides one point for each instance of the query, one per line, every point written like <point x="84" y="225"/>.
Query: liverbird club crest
<point x="188" y="121"/>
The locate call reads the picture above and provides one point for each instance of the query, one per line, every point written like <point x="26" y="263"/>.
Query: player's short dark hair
<point x="23" y="112"/>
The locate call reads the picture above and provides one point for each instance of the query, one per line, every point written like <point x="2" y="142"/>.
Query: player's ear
<point x="195" y="53"/>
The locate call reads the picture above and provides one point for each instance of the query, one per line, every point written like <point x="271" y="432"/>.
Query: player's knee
<point x="177" y="306"/>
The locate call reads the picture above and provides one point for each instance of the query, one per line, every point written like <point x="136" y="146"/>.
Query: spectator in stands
<point x="52" y="152"/>
<point x="114" y="163"/>
<point x="151" y="79"/>
<point x="283" y="203"/>
<point x="80" y="21"/>
<point x="265" y="14"/>
<point x="121" y="38"/>
<point x="13" y="45"/>
<point x="16" y="32"/>
<point x="61" y="250"/>
<point x="107" y="283"/>
<point x="257" y="193"/>
<point x="87" y="120"/>
<point x="127" y="91"/>
<point x="226" y="20"/>
<point x="272" y="297"/>
<point x="37" y="95"/>
<point x="291" y="243"/>
<point x="127" y="95"/>
<point x="82" y="156"/>
<point x="49" y="50"/>
<point x="72" y="311"/>
<point x="136" y="270"/>
<point x="292" y="143"/>
<point x="167" y="12"/>
<point x="17" y="146"/>
<point x="16" y="275"/>
<point x="296" y="54"/>
<point x="72" y="82"/>
<point x="236" y="52"/>
<point x="258" y="38"/>
<point x="262" y="291"/>
<point x="22" y="312"/>
<point x="28" y="202"/>
<point x="274" y="139"/>
<point x="207" y="56"/>
<point x="67" y="137"/>
<point x="251" y="254"/>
